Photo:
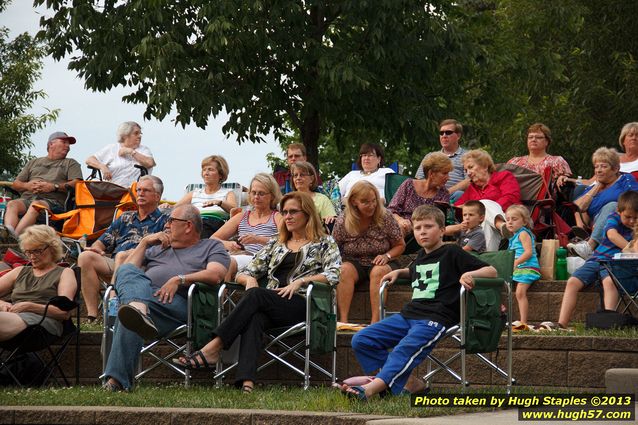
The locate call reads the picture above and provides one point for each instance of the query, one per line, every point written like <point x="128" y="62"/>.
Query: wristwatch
<point x="389" y="257"/>
<point x="182" y="279"/>
<point x="56" y="187"/>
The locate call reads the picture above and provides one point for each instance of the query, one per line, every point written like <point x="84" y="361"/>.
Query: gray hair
<point x="125" y="129"/>
<point x="192" y="214"/>
<point x="158" y="185"/>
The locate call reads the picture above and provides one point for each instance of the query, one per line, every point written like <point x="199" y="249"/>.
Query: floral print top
<point x="373" y="241"/>
<point x="321" y="257"/>
<point x="406" y="199"/>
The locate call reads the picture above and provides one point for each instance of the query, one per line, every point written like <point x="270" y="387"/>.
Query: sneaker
<point x="134" y="320"/>
<point x="582" y="249"/>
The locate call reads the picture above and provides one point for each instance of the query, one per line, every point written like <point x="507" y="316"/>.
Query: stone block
<point x="138" y="416"/>
<point x="540" y="368"/>
<point x="587" y="368"/>
<point x="52" y="415"/>
<point x="621" y="381"/>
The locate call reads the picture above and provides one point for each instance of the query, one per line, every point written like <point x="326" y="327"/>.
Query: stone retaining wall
<point x="539" y="360"/>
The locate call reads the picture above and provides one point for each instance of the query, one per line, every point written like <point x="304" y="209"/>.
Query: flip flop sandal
<point x="247" y="389"/>
<point x="355" y="392"/>
<point x="193" y="361"/>
<point x="520" y="327"/>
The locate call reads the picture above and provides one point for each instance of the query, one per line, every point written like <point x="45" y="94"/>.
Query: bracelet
<point x="303" y="281"/>
<point x="134" y="152"/>
<point x="389" y="257"/>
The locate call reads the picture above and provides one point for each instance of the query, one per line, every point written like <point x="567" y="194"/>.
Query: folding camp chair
<point x="35" y="340"/>
<point x="315" y="335"/>
<point x="202" y="319"/>
<point x="624" y="274"/>
<point x="536" y="195"/>
<point x="485" y="295"/>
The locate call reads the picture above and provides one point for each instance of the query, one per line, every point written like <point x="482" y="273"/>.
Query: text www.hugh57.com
<point x="553" y="414"/>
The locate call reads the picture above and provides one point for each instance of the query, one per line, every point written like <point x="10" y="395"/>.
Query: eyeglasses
<point x="258" y="194"/>
<point x="35" y="252"/>
<point x="294" y="176"/>
<point x="290" y="212"/>
<point x="446" y="132"/>
<point x="369" y="155"/>
<point x="172" y="219"/>
<point x="535" y="137"/>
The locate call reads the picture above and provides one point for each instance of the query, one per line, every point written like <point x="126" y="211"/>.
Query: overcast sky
<point x="94" y="117"/>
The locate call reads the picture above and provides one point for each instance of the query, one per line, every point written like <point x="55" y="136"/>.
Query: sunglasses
<point x="290" y="212"/>
<point x="446" y="132"/>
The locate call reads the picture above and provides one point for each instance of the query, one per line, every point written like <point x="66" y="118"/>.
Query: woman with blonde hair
<point x="254" y="227"/>
<point x="117" y="161"/>
<point x="302" y="253"/>
<point x="213" y="201"/>
<point x="33" y="285"/>
<point x="427" y="191"/>
<point x="369" y="240"/>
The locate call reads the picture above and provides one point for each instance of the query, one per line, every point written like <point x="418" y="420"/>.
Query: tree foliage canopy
<point x="20" y="66"/>
<point x="336" y="73"/>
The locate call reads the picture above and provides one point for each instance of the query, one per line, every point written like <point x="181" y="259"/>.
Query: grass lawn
<point x="265" y="398"/>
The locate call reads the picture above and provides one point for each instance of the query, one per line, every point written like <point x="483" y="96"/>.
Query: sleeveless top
<point x="200" y="197"/>
<point x="267" y="229"/>
<point x="39" y="290"/>
<point x="517" y="246"/>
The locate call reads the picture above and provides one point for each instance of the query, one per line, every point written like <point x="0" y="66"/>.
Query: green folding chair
<point x="481" y="322"/>
<point x="294" y="346"/>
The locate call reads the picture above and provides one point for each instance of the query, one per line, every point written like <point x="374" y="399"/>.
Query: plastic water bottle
<point x="561" y="264"/>
<point x="82" y="242"/>
<point x="114" y="306"/>
<point x="450" y="217"/>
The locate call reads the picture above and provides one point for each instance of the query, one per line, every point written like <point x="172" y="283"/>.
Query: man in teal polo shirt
<point x="122" y="235"/>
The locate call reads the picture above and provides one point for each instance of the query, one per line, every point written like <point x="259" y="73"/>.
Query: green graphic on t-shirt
<point x="427" y="281"/>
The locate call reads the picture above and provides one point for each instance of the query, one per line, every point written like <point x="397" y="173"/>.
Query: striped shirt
<point x="267" y="229"/>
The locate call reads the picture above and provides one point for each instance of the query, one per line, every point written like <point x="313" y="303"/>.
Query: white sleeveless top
<point x="200" y="197"/>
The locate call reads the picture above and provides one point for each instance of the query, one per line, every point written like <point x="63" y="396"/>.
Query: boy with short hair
<point x="437" y="275"/>
<point x="618" y="233"/>
<point x="472" y="237"/>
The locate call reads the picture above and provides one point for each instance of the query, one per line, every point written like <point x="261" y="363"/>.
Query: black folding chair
<point x="35" y="340"/>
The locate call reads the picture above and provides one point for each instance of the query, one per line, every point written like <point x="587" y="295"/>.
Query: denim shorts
<point x="590" y="272"/>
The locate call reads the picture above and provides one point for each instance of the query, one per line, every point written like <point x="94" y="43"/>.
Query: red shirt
<point x="501" y="188"/>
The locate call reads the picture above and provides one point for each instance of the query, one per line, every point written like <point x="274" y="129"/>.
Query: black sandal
<point x="193" y="361"/>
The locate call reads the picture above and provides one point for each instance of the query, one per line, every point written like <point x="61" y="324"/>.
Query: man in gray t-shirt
<point x="43" y="180"/>
<point x="153" y="301"/>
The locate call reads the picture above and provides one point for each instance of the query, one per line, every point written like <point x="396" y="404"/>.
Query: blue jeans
<point x="598" y="232"/>
<point x="411" y="340"/>
<point x="132" y="284"/>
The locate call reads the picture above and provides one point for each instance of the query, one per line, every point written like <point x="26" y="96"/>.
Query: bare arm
<point x="616" y="238"/>
<point x="92" y="161"/>
<point x="66" y="287"/>
<point x="467" y="278"/>
<point x="462" y="185"/>
<point x="137" y="255"/>
<point x="526" y="241"/>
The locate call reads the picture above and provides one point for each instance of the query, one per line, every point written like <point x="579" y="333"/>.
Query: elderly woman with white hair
<point x="600" y="199"/>
<point x="117" y="161"/>
<point x="30" y="287"/>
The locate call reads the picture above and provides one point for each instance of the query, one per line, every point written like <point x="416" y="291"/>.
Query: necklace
<point x="299" y="240"/>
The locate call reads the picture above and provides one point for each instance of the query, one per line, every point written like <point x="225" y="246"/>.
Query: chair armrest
<point x="491" y="282"/>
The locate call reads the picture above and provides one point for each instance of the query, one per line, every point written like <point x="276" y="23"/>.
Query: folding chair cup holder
<point x="45" y="350"/>
<point x="472" y="335"/>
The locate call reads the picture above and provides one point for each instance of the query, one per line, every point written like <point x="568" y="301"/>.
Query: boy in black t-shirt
<point x="437" y="275"/>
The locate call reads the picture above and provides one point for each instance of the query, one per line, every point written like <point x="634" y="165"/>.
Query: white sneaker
<point x="582" y="249"/>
